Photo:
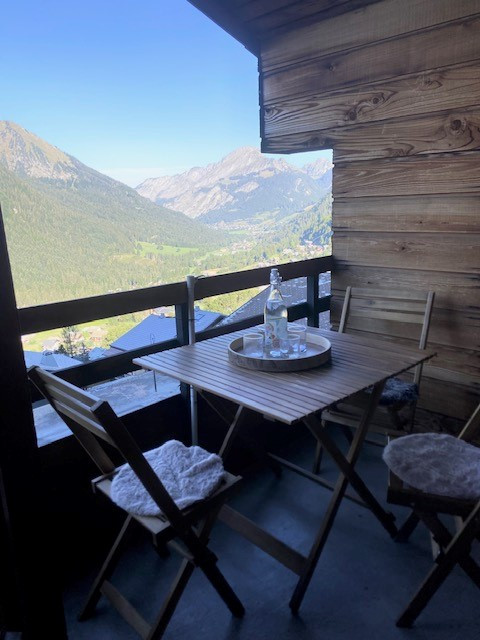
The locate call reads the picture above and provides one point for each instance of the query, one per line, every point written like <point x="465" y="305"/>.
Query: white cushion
<point x="189" y="474"/>
<point x="436" y="463"/>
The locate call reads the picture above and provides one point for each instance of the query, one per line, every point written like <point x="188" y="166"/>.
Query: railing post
<point x="181" y="323"/>
<point x="312" y="300"/>
<point x="191" y="280"/>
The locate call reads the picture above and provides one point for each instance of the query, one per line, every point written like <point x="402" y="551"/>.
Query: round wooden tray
<point x="317" y="353"/>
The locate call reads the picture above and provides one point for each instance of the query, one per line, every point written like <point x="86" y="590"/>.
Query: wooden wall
<point x="394" y="89"/>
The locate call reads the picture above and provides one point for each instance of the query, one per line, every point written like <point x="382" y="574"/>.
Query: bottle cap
<point x="275" y="276"/>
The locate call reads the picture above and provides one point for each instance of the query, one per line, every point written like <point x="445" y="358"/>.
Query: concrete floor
<point x="361" y="584"/>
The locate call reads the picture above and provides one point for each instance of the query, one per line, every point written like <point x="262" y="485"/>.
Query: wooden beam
<point x="366" y="25"/>
<point x="69" y="312"/>
<point x="30" y="588"/>
<point x="438" y="174"/>
<point x="300" y="13"/>
<point x="448" y="131"/>
<point x="229" y="282"/>
<point x="411" y="53"/>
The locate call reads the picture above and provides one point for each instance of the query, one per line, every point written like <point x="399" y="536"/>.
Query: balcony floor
<point x="360" y="586"/>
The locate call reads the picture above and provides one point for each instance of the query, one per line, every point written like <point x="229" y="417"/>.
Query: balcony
<point x="364" y="578"/>
<point x="393" y="88"/>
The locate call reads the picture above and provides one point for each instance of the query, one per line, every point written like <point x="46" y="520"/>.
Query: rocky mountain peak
<point x="318" y="168"/>
<point x="25" y="154"/>
<point x="243" y="183"/>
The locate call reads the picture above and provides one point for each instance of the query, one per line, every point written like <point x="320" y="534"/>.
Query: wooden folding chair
<point x="93" y="422"/>
<point x="450" y="549"/>
<point x="378" y="313"/>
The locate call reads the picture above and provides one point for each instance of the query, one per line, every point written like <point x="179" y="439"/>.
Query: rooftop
<point x="159" y="328"/>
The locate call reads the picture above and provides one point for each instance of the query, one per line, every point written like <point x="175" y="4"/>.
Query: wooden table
<point x="294" y="397"/>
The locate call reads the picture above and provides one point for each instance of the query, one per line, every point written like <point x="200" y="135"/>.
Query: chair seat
<point x="437" y="464"/>
<point x="189" y="474"/>
<point x="398" y="391"/>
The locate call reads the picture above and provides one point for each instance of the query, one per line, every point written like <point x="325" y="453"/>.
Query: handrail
<point x="54" y="315"/>
<point x="64" y="314"/>
<point x="229" y="282"/>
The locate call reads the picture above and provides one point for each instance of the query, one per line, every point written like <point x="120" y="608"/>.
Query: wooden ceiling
<point x="252" y="22"/>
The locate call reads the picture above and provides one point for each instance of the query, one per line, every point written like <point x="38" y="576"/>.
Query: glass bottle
<point x="275" y="318"/>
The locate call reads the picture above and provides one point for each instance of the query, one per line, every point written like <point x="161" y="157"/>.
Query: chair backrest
<point x="472" y="428"/>
<point x="93" y="420"/>
<point x="388" y="312"/>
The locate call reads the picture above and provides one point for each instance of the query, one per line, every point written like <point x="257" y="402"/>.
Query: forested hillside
<point x="76" y="233"/>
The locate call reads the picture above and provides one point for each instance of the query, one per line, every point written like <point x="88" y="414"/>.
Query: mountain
<point x="73" y="231"/>
<point x="242" y="185"/>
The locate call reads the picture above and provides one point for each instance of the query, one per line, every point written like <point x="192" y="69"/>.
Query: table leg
<point x="235" y="422"/>
<point x="346" y="465"/>
<point x="227" y="413"/>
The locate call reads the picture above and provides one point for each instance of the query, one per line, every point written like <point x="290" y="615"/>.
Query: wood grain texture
<point x="394" y="89"/>
<point x="266" y="14"/>
<point x="412" y="53"/>
<point x="443" y="330"/>
<point x="452" y="290"/>
<point x="358" y="28"/>
<point x="311" y="122"/>
<point x="356" y="364"/>
<point x="437" y="133"/>
<point x="284" y="17"/>
<point x="409" y="176"/>
<point x="410" y="251"/>
<point x="413" y="214"/>
<point x="447" y="397"/>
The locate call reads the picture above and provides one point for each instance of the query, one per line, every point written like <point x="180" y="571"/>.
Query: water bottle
<point x="275" y="319"/>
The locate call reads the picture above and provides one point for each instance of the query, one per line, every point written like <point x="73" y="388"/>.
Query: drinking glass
<point x="253" y="345"/>
<point x="302" y="333"/>
<point x="293" y="342"/>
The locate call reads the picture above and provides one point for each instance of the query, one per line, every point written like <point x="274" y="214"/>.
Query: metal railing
<point x="70" y="312"/>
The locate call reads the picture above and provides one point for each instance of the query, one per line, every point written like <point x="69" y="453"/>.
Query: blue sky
<point x="133" y="89"/>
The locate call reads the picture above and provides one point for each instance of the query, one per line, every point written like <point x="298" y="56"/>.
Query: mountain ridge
<point x="73" y="231"/>
<point x="242" y="184"/>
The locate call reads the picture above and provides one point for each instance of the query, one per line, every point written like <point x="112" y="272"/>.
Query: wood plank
<point x="262" y="539"/>
<point x="386" y="19"/>
<point x="205" y="365"/>
<point x="408" y="176"/>
<point x="449" y="398"/>
<point x="298" y="12"/>
<point x="439" y="133"/>
<point x="452" y="290"/>
<point x="414" y="214"/>
<point x="410" y="251"/>
<point x="464" y="362"/>
<point x="255" y="8"/>
<point x="238" y="280"/>
<point x="427" y="92"/>
<point x="456" y="131"/>
<point x="457" y="328"/>
<point x="408" y="54"/>
<point x="69" y="312"/>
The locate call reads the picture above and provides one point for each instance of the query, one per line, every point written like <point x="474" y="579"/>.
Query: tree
<point x="68" y="342"/>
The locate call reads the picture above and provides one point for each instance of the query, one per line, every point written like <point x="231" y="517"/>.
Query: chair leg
<point x="106" y="571"/>
<point x="443" y="538"/>
<point x="183" y="576"/>
<point x="222" y="587"/>
<point x="407" y="528"/>
<point x="318" y="458"/>
<point x="456" y="552"/>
